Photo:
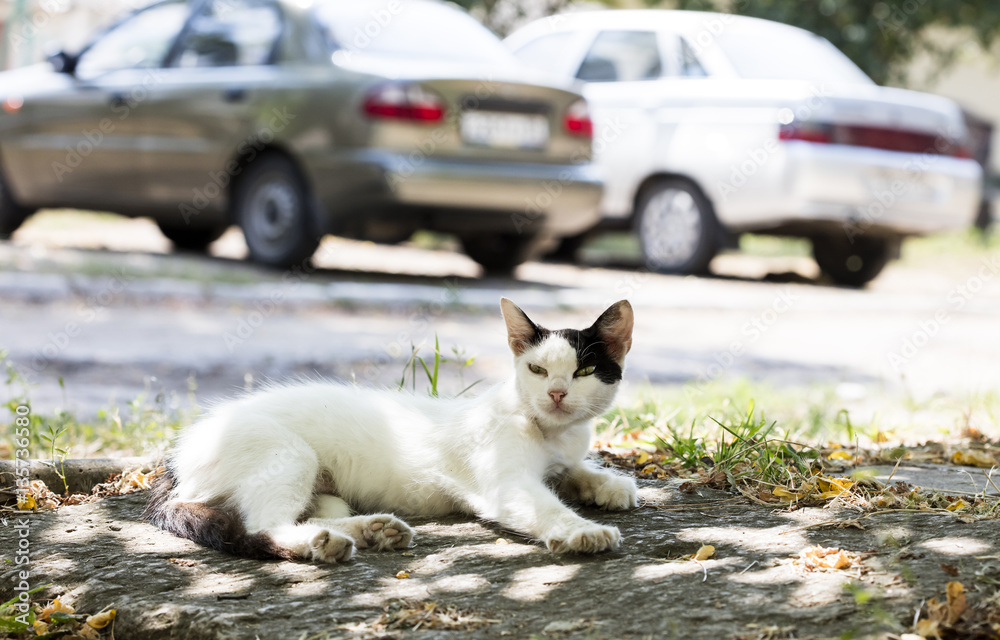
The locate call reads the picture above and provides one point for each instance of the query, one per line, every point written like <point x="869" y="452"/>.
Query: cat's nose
<point x="557" y="396"/>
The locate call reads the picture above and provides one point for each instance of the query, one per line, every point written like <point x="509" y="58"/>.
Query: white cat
<point x="280" y="472"/>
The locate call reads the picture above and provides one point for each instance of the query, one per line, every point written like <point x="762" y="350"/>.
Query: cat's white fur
<point x="296" y="461"/>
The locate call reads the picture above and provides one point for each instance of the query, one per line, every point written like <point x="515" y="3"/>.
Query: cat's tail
<point x="217" y="528"/>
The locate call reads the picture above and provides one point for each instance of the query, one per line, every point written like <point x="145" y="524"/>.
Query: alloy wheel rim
<point x="671" y="228"/>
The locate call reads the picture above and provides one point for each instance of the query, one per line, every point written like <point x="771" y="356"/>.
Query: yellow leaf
<point x="101" y="620"/>
<point x="650" y="468"/>
<point x="642" y="458"/>
<point x="705" y="552"/>
<point x="40" y="627"/>
<point x="25" y="502"/>
<point x="956" y="601"/>
<point x="56" y="606"/>
<point x="402" y="575"/>
<point x="927" y="628"/>
<point x="973" y="459"/>
<point x="786" y="495"/>
<point x="958" y="504"/>
<point x="840" y="455"/>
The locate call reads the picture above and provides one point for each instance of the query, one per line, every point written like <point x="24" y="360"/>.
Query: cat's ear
<point x="521" y="331"/>
<point x="615" y="328"/>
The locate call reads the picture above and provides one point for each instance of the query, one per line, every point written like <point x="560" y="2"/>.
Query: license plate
<point x="505" y="130"/>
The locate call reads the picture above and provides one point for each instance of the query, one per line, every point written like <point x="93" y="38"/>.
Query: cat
<point x="282" y="472"/>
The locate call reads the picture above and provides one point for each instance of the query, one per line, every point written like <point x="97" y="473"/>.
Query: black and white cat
<point x="280" y="472"/>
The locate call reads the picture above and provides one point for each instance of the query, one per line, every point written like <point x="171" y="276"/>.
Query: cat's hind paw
<point x="617" y="493"/>
<point x="382" y="532"/>
<point x="331" y="546"/>
<point x="584" y="538"/>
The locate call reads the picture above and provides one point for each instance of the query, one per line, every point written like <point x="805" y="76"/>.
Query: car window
<point x="414" y="29"/>
<point x="141" y="41"/>
<point x="755" y="55"/>
<point x="622" y="56"/>
<point x="689" y="65"/>
<point x="547" y="53"/>
<point x="231" y="33"/>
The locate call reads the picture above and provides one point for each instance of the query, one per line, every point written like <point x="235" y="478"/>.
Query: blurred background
<point x="201" y="196"/>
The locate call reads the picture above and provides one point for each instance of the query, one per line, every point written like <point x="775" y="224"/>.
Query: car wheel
<point x="498" y="253"/>
<point x="188" y="238"/>
<point x="12" y="215"/>
<point x="272" y="206"/>
<point x="678" y="232"/>
<point x="856" y="263"/>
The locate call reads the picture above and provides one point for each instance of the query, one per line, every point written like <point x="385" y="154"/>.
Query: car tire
<point x="195" y="239"/>
<point x="853" y="264"/>
<point x="498" y="253"/>
<point x="272" y="206"/>
<point x="12" y="215"/>
<point x="677" y="229"/>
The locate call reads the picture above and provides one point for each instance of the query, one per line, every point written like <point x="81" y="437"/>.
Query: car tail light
<point x="874" y="138"/>
<point x="404" y="101"/>
<point x="577" y="120"/>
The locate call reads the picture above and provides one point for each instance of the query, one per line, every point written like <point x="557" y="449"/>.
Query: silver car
<point x="367" y="119"/>
<point x="710" y="125"/>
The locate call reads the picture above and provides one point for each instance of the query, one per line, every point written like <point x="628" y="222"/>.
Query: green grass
<point x="143" y="426"/>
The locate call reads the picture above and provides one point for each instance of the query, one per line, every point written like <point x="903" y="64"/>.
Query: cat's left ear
<point x="615" y="328"/>
<point x="521" y="331"/>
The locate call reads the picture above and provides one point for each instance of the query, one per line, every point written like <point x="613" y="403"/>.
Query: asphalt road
<point x="106" y="307"/>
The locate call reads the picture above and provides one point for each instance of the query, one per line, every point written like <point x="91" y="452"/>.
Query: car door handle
<point x="235" y="94"/>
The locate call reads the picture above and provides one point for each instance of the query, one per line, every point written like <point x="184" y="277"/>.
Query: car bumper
<point x="556" y="199"/>
<point x="903" y="193"/>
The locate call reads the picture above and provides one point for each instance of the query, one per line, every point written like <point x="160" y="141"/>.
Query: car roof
<point x="688" y="23"/>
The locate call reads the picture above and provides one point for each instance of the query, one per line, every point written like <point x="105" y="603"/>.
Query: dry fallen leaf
<point x="402" y="575"/>
<point x="950" y="569"/>
<point x="25" y="502"/>
<point x="956" y="601"/>
<point x="705" y="552"/>
<point x="973" y="459"/>
<point x="840" y="455"/>
<point x="642" y="458"/>
<point x="819" y="558"/>
<point x="101" y="620"/>
<point x="56" y="606"/>
<point x="958" y="504"/>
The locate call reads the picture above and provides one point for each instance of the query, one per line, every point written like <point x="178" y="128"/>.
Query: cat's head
<point x="569" y="375"/>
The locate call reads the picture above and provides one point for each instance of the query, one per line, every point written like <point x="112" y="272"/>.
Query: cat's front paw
<point x="587" y="537"/>
<point x="331" y="546"/>
<point x="617" y="493"/>
<point x="384" y="532"/>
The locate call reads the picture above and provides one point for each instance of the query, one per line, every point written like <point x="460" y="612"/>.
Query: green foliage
<point x="142" y="426"/>
<point x="880" y="37"/>
<point x="433" y="371"/>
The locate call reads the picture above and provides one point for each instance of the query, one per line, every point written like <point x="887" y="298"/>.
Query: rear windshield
<point x="408" y="28"/>
<point x="795" y="55"/>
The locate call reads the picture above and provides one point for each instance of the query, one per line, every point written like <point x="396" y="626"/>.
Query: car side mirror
<point x="63" y="62"/>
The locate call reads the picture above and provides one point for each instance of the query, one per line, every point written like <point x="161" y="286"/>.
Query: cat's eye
<point x="536" y="369"/>
<point x="584" y="371"/>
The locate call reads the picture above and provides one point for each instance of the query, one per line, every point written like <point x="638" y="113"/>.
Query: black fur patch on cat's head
<point x="592" y="350"/>
<point x="603" y="345"/>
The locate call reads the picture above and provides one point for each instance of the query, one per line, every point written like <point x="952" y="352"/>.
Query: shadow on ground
<point x="165" y="587"/>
